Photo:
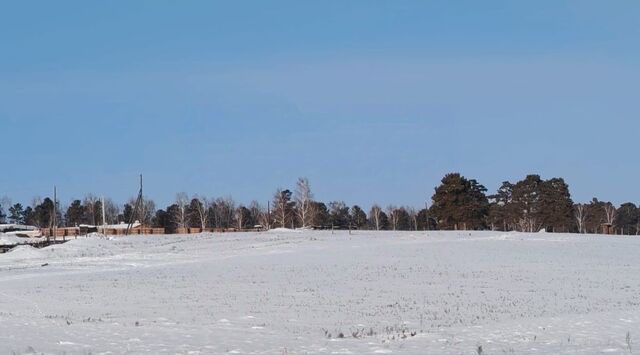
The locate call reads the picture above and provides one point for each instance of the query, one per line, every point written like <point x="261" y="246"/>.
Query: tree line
<point x="458" y="203"/>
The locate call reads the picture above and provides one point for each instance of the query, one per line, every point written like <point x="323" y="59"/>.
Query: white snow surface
<point x="295" y="293"/>
<point x="11" y="239"/>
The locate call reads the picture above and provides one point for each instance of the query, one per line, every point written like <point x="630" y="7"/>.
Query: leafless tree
<point x="181" y="212"/>
<point x="413" y="217"/>
<point x="242" y="215"/>
<point x="93" y="209"/>
<point x="304" y="202"/>
<point x="392" y="212"/>
<point x="145" y="214"/>
<point x="259" y="214"/>
<point x="111" y="211"/>
<point x="148" y="209"/>
<point x="580" y="213"/>
<point x="375" y="215"/>
<point x="5" y="201"/>
<point x="224" y="212"/>
<point x="528" y="223"/>
<point x="200" y="210"/>
<point x="282" y="205"/>
<point x="609" y="213"/>
<point x="36" y="201"/>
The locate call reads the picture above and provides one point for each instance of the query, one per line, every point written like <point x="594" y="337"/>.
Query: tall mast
<point x="141" y="204"/>
<point x="104" y="220"/>
<point x="55" y="212"/>
<point x="136" y="208"/>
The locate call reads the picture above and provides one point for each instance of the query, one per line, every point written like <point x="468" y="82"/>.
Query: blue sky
<point x="372" y="101"/>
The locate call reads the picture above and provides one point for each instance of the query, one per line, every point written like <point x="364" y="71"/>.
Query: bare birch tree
<point x="200" y="210"/>
<point x="304" y="202"/>
<point x="180" y="215"/>
<point x="258" y="214"/>
<point x="282" y="205"/>
<point x="392" y="212"/>
<point x="111" y="211"/>
<point x="92" y="208"/>
<point x="375" y="216"/>
<point x="609" y="213"/>
<point x="413" y="218"/>
<point x="242" y="215"/>
<point x="580" y="213"/>
<point x="529" y="224"/>
<point x="224" y="212"/>
<point x="146" y="211"/>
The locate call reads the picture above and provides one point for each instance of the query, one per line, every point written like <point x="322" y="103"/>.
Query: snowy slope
<point x="296" y="293"/>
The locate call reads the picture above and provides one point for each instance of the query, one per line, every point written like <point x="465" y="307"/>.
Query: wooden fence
<point x="77" y="231"/>
<point x="209" y="230"/>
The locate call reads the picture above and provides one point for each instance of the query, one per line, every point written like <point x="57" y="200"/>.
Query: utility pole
<point x="268" y="215"/>
<point x="55" y="213"/>
<point x="104" y="220"/>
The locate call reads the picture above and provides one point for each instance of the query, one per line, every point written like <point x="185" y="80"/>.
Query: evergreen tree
<point x="3" y="215"/>
<point x="127" y="213"/>
<point x="339" y="215"/>
<point x="164" y="219"/>
<point x="500" y="216"/>
<point x="459" y="203"/>
<point x="425" y="221"/>
<point x="596" y="215"/>
<point x="16" y="214"/>
<point x="29" y="216"/>
<point x="536" y="204"/>
<point x="358" y="217"/>
<point x="193" y="217"/>
<point x="321" y="215"/>
<point x="556" y="212"/>
<point x="526" y="205"/>
<point x="43" y="214"/>
<point x="75" y="214"/>
<point x="628" y="219"/>
<point x="384" y="221"/>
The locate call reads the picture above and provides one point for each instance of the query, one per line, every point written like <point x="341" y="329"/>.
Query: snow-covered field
<point x="316" y="292"/>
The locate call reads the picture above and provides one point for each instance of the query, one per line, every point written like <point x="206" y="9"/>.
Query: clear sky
<point x="373" y="101"/>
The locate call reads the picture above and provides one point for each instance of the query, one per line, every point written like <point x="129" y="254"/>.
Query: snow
<point x="295" y="293"/>
<point x="121" y="225"/>
<point x="13" y="226"/>
<point x="285" y="230"/>
<point x="20" y="230"/>
<point x="11" y="239"/>
<point x="23" y="252"/>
